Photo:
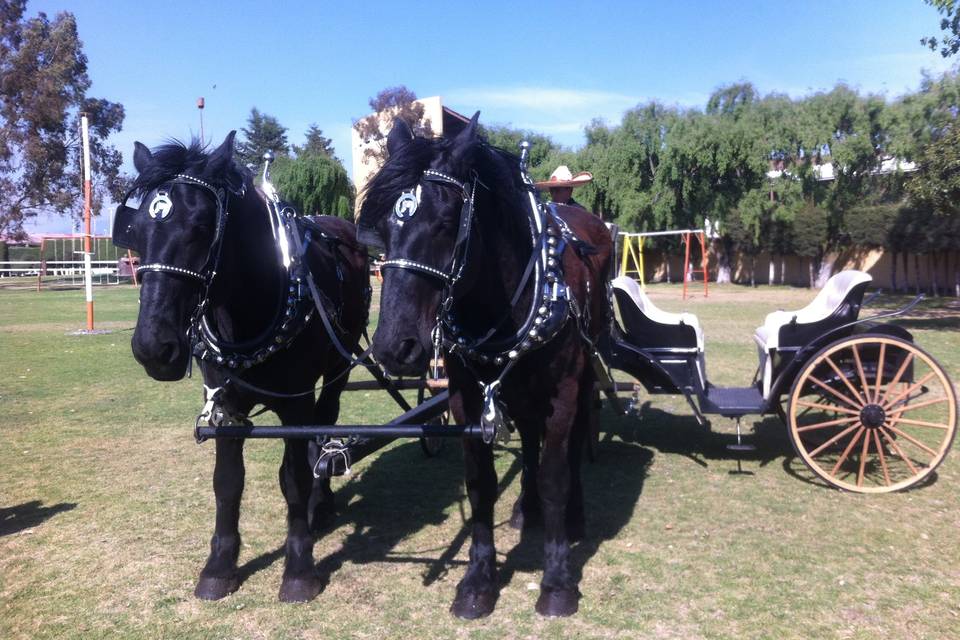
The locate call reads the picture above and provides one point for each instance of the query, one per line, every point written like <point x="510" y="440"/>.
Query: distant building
<point x="443" y="120"/>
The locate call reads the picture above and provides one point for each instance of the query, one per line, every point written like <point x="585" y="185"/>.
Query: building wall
<point x="364" y="168"/>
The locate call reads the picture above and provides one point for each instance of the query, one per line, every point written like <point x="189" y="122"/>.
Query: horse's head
<point x="177" y="229"/>
<point x="418" y="208"/>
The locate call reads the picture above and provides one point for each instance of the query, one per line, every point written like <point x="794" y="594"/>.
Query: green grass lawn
<point x="106" y="509"/>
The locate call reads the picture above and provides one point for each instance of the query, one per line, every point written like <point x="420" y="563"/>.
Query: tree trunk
<point x="893" y="272"/>
<point x="771" y="271"/>
<point x="753" y="271"/>
<point x="934" y="264"/>
<point x="667" y="264"/>
<point x="916" y="272"/>
<point x="810" y="274"/>
<point x="783" y="269"/>
<point x="906" y="271"/>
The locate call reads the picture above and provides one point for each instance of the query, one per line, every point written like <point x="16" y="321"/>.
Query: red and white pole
<point x="88" y="234"/>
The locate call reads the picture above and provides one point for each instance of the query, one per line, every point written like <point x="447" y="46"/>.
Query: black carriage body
<point x="665" y="359"/>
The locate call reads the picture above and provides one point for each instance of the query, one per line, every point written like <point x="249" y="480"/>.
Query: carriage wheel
<point x="872" y="414"/>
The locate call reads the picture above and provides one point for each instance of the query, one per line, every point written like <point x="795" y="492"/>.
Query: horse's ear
<point x="465" y="142"/>
<point x="399" y="135"/>
<point x="222" y="156"/>
<point x="141" y="157"/>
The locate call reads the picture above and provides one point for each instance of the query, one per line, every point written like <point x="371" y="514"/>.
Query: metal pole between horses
<point x="87" y="235"/>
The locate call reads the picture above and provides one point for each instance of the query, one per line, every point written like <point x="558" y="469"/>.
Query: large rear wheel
<point x="872" y="414"/>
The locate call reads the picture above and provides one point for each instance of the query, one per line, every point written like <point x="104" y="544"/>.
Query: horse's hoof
<point x="299" y="589"/>
<point x="558" y="603"/>
<point x="472" y="605"/>
<point x="213" y="588"/>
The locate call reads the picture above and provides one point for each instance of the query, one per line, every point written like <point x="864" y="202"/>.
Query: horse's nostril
<point x="410" y="351"/>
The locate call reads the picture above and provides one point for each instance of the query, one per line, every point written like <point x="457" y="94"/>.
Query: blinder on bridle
<point x="404" y="210"/>
<point x="131" y="225"/>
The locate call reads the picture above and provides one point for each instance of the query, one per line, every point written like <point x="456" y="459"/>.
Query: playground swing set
<point x="631" y="261"/>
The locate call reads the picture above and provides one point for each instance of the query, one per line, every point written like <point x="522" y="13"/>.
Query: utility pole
<point x="87" y="233"/>
<point x="200" y="109"/>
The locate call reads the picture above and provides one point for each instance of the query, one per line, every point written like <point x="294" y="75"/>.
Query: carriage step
<point x="741" y="447"/>
<point x="733" y="402"/>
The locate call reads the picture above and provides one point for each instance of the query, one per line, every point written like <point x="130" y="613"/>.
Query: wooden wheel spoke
<point x="860" y="372"/>
<point x="827" y="407"/>
<point x="918" y="405"/>
<point x="832" y="440"/>
<point x="861" y="399"/>
<point x="824" y="385"/>
<point x="909" y="438"/>
<point x="883" y="351"/>
<point x="828" y="423"/>
<point x="896" y="378"/>
<point x="916" y="385"/>
<point x="883" y="460"/>
<point x="846" y="452"/>
<point x="921" y="423"/>
<point x="863" y="458"/>
<point x="896" y="447"/>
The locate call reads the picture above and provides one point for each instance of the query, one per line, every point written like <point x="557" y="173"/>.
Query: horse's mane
<point x="175" y="157"/>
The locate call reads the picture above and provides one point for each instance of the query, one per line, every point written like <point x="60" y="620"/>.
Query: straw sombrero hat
<point x="562" y="177"/>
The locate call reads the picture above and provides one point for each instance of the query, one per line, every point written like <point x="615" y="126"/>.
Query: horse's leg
<point x="582" y="426"/>
<point x="219" y="576"/>
<point x="559" y="595"/>
<point x="477" y="591"/>
<point x="322" y="507"/>
<point x="300" y="580"/>
<point x="526" y="510"/>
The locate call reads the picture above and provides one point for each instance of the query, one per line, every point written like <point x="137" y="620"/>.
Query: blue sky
<point x="550" y="67"/>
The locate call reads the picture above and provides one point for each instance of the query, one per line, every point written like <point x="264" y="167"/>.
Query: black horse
<point x="512" y="294"/>
<point x="223" y="279"/>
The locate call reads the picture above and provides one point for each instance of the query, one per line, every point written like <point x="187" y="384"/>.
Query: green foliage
<point x="937" y="183"/>
<point x="263" y="133"/>
<point x="872" y="226"/>
<point x="810" y="231"/>
<point x="949" y="41"/>
<point x="43" y="91"/>
<point x="314" y="183"/>
<point x="316" y="143"/>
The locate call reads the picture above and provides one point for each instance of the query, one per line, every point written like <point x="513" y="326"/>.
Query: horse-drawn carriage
<point x="516" y="297"/>
<point x="866" y="409"/>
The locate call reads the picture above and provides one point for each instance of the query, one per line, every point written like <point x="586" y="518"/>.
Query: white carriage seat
<point x="822" y="307"/>
<point x="653" y="312"/>
<point x="833" y="294"/>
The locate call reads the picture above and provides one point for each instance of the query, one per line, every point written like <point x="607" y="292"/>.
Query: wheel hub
<point x="872" y="416"/>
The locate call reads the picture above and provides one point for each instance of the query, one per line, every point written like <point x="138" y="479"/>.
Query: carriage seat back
<point x="648" y="327"/>
<point x="837" y="304"/>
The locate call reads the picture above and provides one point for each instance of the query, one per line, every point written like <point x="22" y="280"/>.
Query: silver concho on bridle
<point x="407" y="205"/>
<point x="160" y="206"/>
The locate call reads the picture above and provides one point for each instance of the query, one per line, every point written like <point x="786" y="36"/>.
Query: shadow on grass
<point x="680" y="434"/>
<point x="29" y="514"/>
<point x="401" y="492"/>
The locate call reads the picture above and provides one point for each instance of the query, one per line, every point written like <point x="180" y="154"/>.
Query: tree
<point x="43" y="91"/>
<point x="263" y="133"/>
<point x="949" y="41"/>
<point x="314" y="183"/>
<point x="316" y="143"/>
<point x="389" y="104"/>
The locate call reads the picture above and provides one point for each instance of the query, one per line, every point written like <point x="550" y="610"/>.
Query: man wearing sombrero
<point x="562" y="183"/>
